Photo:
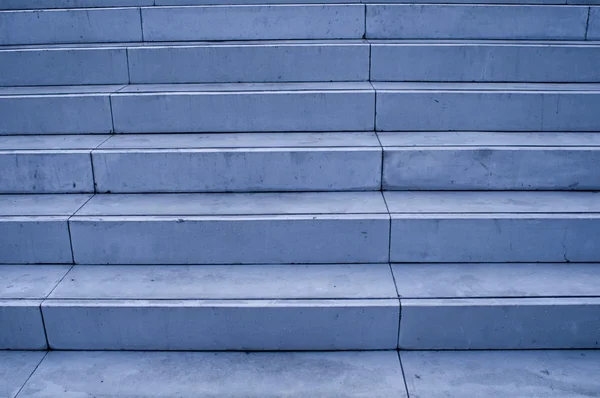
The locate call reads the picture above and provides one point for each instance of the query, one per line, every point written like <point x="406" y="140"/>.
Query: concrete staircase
<point x="181" y="175"/>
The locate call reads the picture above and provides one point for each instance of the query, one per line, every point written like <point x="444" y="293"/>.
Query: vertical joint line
<point x="128" y="66"/>
<point x="34" y="369"/>
<point x="381" y="166"/>
<point x="587" y="23"/>
<point x="403" y="374"/>
<point x="365" y="22"/>
<point x="390" y="228"/>
<point x="142" y="22"/>
<point x="112" y="116"/>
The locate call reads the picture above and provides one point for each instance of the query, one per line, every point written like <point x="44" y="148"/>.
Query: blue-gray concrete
<point x="436" y="21"/>
<point x="268" y="228"/>
<point x="254" y="22"/>
<point x="507" y="323"/>
<point x="280" y="107"/>
<point x="15" y="369"/>
<point x="496" y="280"/>
<point x="485" y="61"/>
<point x="492" y="107"/>
<point x="67" y="113"/>
<point x="224" y="282"/>
<point x="428" y="161"/>
<point x="222" y="325"/>
<point x="30" y="281"/>
<point x="33" y="228"/>
<point x="281" y="61"/>
<point x="47" y="171"/>
<point x="487" y="374"/>
<point x="189" y="375"/>
<point x="593" y="32"/>
<point x="62" y="66"/>
<point x="70" y="26"/>
<point x="494" y="227"/>
<point x="199" y="163"/>
<point x="22" y="325"/>
<point x="42" y="4"/>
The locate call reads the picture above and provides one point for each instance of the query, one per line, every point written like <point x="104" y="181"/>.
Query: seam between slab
<point x="34" y="370"/>
<point x="381" y="176"/>
<point x="92" y="163"/>
<point x="587" y="23"/>
<point x="142" y="22"/>
<point x="403" y="374"/>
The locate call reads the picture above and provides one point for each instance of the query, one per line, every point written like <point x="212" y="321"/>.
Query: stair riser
<point x="248" y="63"/>
<point x="252" y="171"/>
<point x="491" y="168"/>
<point x="22" y="325"/>
<point x="63" y="67"/>
<point x="409" y="21"/>
<point x="499" y="324"/>
<point x="73" y="114"/>
<point x="487" y="110"/>
<point x="244" y="112"/>
<point x="203" y="240"/>
<point x="34" y="240"/>
<point x="430" y="62"/>
<point x="494" y="238"/>
<point x="204" y="325"/>
<point x="46" y="172"/>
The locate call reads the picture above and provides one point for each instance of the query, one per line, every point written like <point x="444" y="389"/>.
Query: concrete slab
<point x="235" y="204"/>
<point x="50" y="142"/>
<point x="35" y="240"/>
<point x="477" y="238"/>
<point x="22" y="325"/>
<point x="484" y="138"/>
<point x="30" y="281"/>
<point x="466" y="61"/>
<point x="493" y="202"/>
<point x="319" y="110"/>
<point x="461" y="109"/>
<point x="187" y="374"/>
<point x="247" y="87"/>
<point x="496" y="280"/>
<point x="48" y="171"/>
<point x="56" y="114"/>
<point x="41" y="205"/>
<point x="486" y="374"/>
<point x="41" y="4"/>
<point x="55" y="90"/>
<point x="491" y="168"/>
<point x="63" y="66"/>
<point x="593" y="32"/>
<point x="77" y="26"/>
<point x="515" y="323"/>
<point x="254" y="22"/>
<point x="281" y="62"/>
<point x="274" y="239"/>
<point x="237" y="170"/>
<point x="279" y="281"/>
<point x="242" y="140"/>
<point x="222" y="325"/>
<point x="436" y="21"/>
<point x="15" y="369"/>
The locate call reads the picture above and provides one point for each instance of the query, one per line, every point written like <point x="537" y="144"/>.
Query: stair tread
<point x="234" y="204"/>
<point x="41" y="205"/>
<point x="533" y="87"/>
<point x="450" y="139"/>
<point x="473" y="202"/>
<point x="30" y="281"/>
<point x="533" y="280"/>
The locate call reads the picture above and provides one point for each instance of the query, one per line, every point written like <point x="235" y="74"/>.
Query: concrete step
<point x="230" y="307"/>
<point x="374" y="374"/>
<point x="48" y="163"/>
<point x="490" y="161"/>
<point x="498" y="306"/>
<point x="478" y="21"/>
<point x="170" y="108"/>
<point x="487" y="106"/>
<point x="34" y="228"/>
<point x="226" y="22"/>
<point x="494" y="227"/>
<point x="248" y="162"/>
<point x="328" y="227"/>
<point x="183" y="62"/>
<point x="484" y="61"/>
<point x="279" y="307"/>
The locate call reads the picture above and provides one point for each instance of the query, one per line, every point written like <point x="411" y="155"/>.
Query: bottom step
<point x="374" y="374"/>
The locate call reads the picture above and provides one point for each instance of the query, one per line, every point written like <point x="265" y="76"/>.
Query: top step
<point x="49" y="4"/>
